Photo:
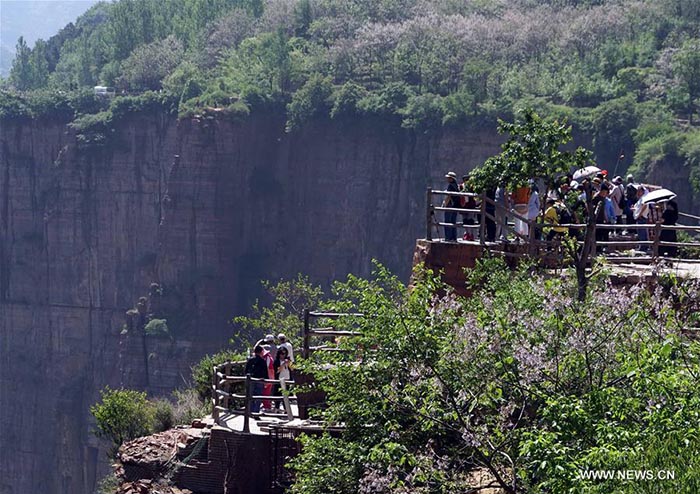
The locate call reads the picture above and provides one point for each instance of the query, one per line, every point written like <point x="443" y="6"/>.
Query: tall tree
<point x="686" y="66"/>
<point x="39" y="65"/>
<point x="21" y="73"/>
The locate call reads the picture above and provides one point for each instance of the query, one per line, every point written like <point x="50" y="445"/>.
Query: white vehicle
<point x="104" y="91"/>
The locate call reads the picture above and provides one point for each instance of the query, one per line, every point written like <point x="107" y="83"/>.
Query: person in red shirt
<point x="267" y="388"/>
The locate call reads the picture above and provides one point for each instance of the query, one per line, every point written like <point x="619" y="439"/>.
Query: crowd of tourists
<point x="562" y="210"/>
<point x="272" y="359"/>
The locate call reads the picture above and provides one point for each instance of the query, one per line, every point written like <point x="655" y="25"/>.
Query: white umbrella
<point x="659" y="195"/>
<point x="586" y="172"/>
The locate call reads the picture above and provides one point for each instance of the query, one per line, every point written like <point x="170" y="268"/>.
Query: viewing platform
<point x="630" y="259"/>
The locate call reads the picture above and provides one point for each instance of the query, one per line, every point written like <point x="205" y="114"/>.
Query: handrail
<point x="221" y="398"/>
<point x="490" y="210"/>
<point x="308" y="331"/>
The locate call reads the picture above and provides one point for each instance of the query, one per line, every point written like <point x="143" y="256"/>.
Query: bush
<point x="13" y="106"/>
<point x="189" y="406"/>
<point x="163" y="415"/>
<point x="157" y="327"/>
<point x="122" y="415"/>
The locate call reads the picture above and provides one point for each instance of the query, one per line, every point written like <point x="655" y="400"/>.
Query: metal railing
<point x="489" y="210"/>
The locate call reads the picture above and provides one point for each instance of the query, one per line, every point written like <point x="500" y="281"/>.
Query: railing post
<point x="482" y="223"/>
<point x="595" y="240"/>
<point x="531" y="238"/>
<point x="305" y="335"/>
<point x="657" y="239"/>
<point x="246" y="413"/>
<point x="429" y="215"/>
<point x="226" y="401"/>
<point x="214" y="396"/>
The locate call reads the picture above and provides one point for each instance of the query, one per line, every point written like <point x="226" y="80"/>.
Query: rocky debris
<point x="147" y="457"/>
<point x="149" y="487"/>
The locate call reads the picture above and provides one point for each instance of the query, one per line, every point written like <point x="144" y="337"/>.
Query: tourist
<point x="282" y="365"/>
<point x="617" y="196"/>
<point x="256" y="367"/>
<point x="271" y="346"/>
<point x="490" y="213"/>
<point x="533" y="207"/>
<point x="451" y="202"/>
<point x="267" y="387"/>
<point x="601" y="212"/>
<point x="670" y="218"/>
<point x="641" y="216"/>
<point x="551" y="217"/>
<point x="631" y="199"/>
<point x="502" y="207"/>
<point x="468" y="202"/>
<point x="284" y="343"/>
<point x="519" y="203"/>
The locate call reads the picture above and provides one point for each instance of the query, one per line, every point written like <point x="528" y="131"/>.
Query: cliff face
<point x="206" y="208"/>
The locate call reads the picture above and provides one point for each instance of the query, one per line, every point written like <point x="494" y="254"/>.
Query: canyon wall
<point x="204" y="207"/>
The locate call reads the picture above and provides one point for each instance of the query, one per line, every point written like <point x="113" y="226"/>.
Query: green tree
<point x="21" y="72"/>
<point x="686" y="66"/>
<point x="533" y="151"/>
<point x="39" y="65"/>
<point x="289" y="299"/>
<point x="147" y="67"/>
<point x="122" y="415"/>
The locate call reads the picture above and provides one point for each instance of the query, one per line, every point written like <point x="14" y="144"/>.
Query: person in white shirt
<point x="286" y="344"/>
<point x="617" y="195"/>
<point x="533" y="204"/>
<point x="641" y="214"/>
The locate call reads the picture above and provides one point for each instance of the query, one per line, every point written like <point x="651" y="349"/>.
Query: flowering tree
<point x="519" y="381"/>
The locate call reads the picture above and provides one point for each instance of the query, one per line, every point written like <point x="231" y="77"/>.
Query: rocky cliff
<point x="204" y="207"/>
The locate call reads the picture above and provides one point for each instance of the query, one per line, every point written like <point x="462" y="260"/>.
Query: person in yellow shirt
<point x="551" y="217"/>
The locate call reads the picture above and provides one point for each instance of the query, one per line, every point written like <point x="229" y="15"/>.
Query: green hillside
<point x="625" y="71"/>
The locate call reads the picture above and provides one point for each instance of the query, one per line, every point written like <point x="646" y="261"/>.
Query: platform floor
<point x="258" y="423"/>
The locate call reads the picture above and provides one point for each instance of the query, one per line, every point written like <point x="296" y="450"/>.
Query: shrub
<point x="163" y="415"/>
<point x="189" y="406"/>
<point x="122" y="415"/>
<point x="12" y="105"/>
<point x="157" y="327"/>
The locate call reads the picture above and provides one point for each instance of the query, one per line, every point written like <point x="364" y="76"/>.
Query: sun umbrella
<point x="586" y="172"/>
<point x="659" y="195"/>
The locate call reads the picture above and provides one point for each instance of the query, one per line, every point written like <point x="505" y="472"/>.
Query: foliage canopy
<point x="520" y="381"/>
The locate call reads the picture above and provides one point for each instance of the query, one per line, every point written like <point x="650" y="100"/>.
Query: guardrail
<point x="488" y="210"/>
<point x="325" y="332"/>
<point x="226" y="399"/>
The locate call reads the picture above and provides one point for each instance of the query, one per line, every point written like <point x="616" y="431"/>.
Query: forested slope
<point x="625" y="71"/>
